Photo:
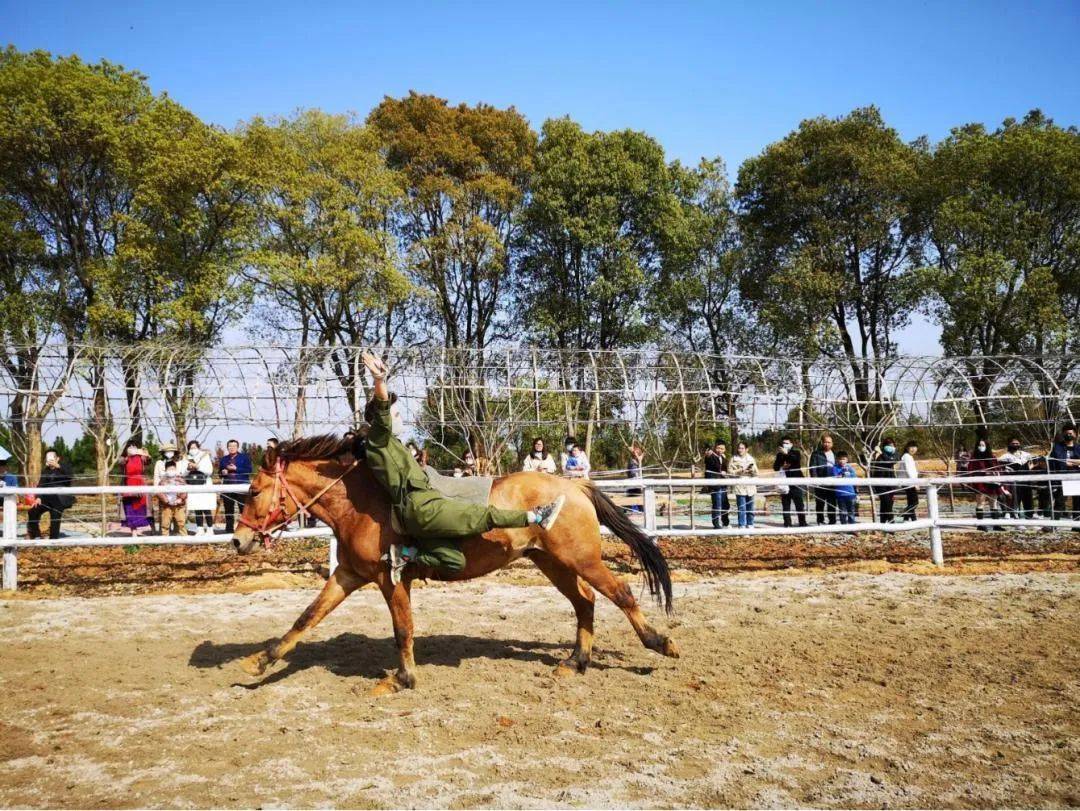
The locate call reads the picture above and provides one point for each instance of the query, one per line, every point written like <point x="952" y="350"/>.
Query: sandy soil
<point x="823" y="689"/>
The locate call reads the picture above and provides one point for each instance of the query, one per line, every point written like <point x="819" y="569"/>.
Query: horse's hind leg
<point x="618" y="591"/>
<point x="399" y="600"/>
<point x="579" y="594"/>
<point x="340" y="585"/>
<point x="584" y="557"/>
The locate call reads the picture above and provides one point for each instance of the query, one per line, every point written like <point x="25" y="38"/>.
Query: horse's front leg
<point x="399" y="600"/>
<point x="340" y="585"/>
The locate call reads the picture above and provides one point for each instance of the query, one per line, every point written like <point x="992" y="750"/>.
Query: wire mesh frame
<point x="184" y="392"/>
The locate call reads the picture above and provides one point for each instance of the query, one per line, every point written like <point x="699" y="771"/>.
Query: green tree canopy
<point x="1003" y="213"/>
<point x="466" y="172"/>
<point x="837" y="196"/>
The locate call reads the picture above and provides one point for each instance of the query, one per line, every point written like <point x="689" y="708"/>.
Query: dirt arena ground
<point x="820" y="688"/>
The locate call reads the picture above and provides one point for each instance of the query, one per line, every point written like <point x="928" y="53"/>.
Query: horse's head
<point x="268" y="506"/>
<point x="287" y="484"/>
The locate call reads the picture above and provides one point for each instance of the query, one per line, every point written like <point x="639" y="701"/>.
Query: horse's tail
<point x="648" y="553"/>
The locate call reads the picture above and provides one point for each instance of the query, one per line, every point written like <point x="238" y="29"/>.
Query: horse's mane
<point x="320" y="446"/>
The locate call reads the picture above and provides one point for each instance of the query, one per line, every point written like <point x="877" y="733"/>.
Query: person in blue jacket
<point x="235" y="468"/>
<point x="845" y="493"/>
<point x="6" y="479"/>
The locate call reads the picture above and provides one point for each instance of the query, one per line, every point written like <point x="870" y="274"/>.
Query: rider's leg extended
<point x="428" y="514"/>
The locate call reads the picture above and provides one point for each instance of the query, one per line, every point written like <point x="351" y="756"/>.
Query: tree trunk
<point x="134" y="400"/>
<point x="100" y="427"/>
<point x="300" y="415"/>
<point x="32" y="452"/>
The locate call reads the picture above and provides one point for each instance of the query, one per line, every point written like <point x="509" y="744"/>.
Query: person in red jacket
<point x="134" y="465"/>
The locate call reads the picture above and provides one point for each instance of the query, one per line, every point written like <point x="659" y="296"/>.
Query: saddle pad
<point x="474" y="489"/>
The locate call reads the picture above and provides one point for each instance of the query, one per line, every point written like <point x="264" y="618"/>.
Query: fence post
<point x="936" y="552"/>
<point x="333" y="553"/>
<point x="11" y="562"/>
<point x="650" y="508"/>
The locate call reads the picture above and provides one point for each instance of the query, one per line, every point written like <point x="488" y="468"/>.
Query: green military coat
<point x="424" y="513"/>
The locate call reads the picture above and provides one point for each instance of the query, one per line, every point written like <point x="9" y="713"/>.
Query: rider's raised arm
<point x="379" y="413"/>
<point x="378" y="371"/>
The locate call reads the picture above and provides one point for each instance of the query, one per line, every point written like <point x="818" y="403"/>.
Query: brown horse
<point x="318" y="473"/>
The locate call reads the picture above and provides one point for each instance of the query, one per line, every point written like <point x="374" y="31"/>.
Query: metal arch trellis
<point x="256" y="391"/>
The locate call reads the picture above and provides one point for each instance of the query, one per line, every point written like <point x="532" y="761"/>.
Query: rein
<point x="276" y="520"/>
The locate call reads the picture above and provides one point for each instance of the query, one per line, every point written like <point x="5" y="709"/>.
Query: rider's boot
<point x="546" y="515"/>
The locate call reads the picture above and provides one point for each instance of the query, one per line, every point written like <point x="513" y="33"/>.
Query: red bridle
<point x="277" y="519"/>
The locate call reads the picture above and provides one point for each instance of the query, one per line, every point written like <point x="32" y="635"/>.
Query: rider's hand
<point x="374" y="364"/>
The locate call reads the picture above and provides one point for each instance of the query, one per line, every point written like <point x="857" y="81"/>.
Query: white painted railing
<point x="934" y="522"/>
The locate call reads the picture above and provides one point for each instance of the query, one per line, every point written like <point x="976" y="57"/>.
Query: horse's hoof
<point x="256" y="664"/>
<point x="389" y="685"/>
<point x="670" y="648"/>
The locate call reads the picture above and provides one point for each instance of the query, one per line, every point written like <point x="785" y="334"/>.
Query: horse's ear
<point x="269" y="459"/>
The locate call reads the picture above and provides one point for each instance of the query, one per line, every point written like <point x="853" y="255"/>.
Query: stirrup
<point x="399" y="557"/>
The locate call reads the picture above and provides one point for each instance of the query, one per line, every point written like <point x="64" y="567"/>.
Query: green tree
<point x="602" y="215"/>
<point x="838" y="195"/>
<point x="325" y="259"/>
<point x="75" y="141"/>
<point x="138" y="205"/>
<point x="466" y="172"/>
<point x="1003" y="212"/>
<point x="30" y="308"/>
<point x="700" y="300"/>
<point x="190" y="227"/>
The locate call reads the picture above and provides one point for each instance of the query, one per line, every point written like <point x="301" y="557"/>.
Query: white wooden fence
<point x="930" y="487"/>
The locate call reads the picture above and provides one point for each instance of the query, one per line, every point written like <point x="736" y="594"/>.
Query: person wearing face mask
<point x="133" y="465"/>
<point x="1065" y="458"/>
<point x="55" y="474"/>
<point x="910" y="470"/>
<point x="883" y="466"/>
<point x="1017" y="461"/>
<point x="539" y="460"/>
<point x="574" y="462"/>
<point x="987" y="494"/>
<point x="166" y="454"/>
<point x="432" y="520"/>
<point x="201" y="506"/>
<point x="788" y="462"/>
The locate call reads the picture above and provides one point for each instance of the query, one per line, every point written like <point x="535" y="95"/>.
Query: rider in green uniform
<point x="432" y="520"/>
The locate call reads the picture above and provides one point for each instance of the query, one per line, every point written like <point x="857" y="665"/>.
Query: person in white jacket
<point x="743" y="466"/>
<point x="168" y="451"/>
<point x="910" y="470"/>
<point x="200" y="470"/>
<point x="539" y="459"/>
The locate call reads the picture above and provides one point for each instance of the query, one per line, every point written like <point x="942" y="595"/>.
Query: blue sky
<point x="706" y="79"/>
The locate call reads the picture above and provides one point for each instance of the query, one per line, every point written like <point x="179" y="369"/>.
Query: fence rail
<point x="644" y="489"/>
